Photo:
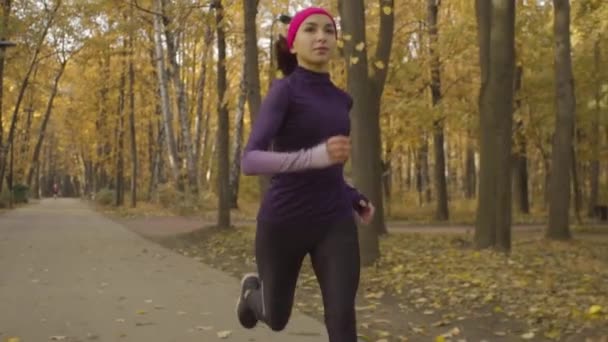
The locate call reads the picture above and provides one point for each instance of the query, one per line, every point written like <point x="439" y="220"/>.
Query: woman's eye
<point x="310" y="29"/>
<point x="330" y="31"/>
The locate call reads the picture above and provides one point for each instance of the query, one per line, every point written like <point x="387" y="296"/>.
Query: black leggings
<point x="334" y="251"/>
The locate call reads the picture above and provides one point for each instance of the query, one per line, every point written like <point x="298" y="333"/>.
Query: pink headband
<point x="299" y="18"/>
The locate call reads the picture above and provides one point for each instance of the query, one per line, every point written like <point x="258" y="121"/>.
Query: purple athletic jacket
<point x="299" y="113"/>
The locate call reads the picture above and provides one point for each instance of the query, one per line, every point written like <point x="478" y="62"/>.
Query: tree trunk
<point x="576" y="189"/>
<point x="223" y="162"/>
<point x="594" y="181"/>
<point x="205" y="143"/>
<point x="386" y="179"/>
<point x="428" y="190"/>
<point x="24" y="84"/>
<point x="182" y="105"/>
<point x="235" y="170"/>
<point x="45" y="120"/>
<point x="6" y="11"/>
<point x="442" y="210"/>
<point x="408" y="169"/>
<point x="395" y="177"/>
<point x="45" y="169"/>
<point x="200" y="99"/>
<point x="418" y="171"/>
<point x="520" y="158"/>
<point x="120" y="133"/>
<point x="545" y="162"/>
<point x="101" y="124"/>
<point x="134" y="166"/>
<point x="164" y="92"/>
<point x="152" y="160"/>
<point x="88" y="176"/>
<point x="37" y="193"/>
<point x="26" y="131"/>
<point x="212" y="155"/>
<point x="156" y="143"/>
<point x="423" y="180"/>
<point x="252" y="72"/>
<point x="520" y="181"/>
<point x="485" y="234"/>
<point x="159" y="164"/>
<point x="470" y="180"/>
<point x="561" y="156"/>
<point x="496" y="26"/>
<point x="272" y="67"/>
<point x="367" y="91"/>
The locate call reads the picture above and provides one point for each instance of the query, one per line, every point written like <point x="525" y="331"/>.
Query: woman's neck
<point x="320" y="68"/>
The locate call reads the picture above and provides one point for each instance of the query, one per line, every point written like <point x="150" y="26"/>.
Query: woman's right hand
<point x="338" y="149"/>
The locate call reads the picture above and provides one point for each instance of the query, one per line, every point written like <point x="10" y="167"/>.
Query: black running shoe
<point x="246" y="315"/>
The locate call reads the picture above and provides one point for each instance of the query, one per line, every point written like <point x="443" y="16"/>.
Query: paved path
<point x="68" y="272"/>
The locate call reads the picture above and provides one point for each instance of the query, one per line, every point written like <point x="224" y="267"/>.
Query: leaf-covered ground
<point x="431" y="287"/>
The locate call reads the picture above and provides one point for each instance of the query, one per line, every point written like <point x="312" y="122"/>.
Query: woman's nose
<point x="321" y="36"/>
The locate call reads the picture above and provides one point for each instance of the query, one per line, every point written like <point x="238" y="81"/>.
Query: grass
<point x="206" y="210"/>
<point x="403" y="208"/>
<point x="462" y="211"/>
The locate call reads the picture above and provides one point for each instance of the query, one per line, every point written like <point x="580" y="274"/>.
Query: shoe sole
<point x="238" y="302"/>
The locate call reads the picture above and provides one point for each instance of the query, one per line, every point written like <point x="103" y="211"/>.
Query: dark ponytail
<point x="286" y="61"/>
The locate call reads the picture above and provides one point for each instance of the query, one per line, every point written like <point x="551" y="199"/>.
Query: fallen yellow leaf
<point x="360" y="46"/>
<point x="13" y="339"/>
<point x="595" y="309"/>
<point x="454" y="332"/>
<point x="553" y="334"/>
<point x="528" y="336"/>
<point x="387" y="10"/>
<point x="375" y="295"/>
<point x="382" y="333"/>
<point x="380" y="321"/>
<point x="224" y="334"/>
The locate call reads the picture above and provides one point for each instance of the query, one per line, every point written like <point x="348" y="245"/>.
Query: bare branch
<point x="385" y="43"/>
<point x="136" y="5"/>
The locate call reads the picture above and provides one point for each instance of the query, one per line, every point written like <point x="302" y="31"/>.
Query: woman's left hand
<point x="367" y="212"/>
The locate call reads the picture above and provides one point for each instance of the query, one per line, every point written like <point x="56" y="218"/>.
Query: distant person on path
<point x="309" y="208"/>
<point x="55" y="190"/>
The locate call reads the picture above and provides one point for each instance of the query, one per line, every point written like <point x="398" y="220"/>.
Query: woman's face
<point x="315" y="41"/>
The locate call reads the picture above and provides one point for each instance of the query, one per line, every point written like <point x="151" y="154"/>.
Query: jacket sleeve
<point x="257" y="159"/>
<point x="355" y="197"/>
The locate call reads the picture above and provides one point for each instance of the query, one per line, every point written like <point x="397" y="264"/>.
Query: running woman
<point x="309" y="208"/>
